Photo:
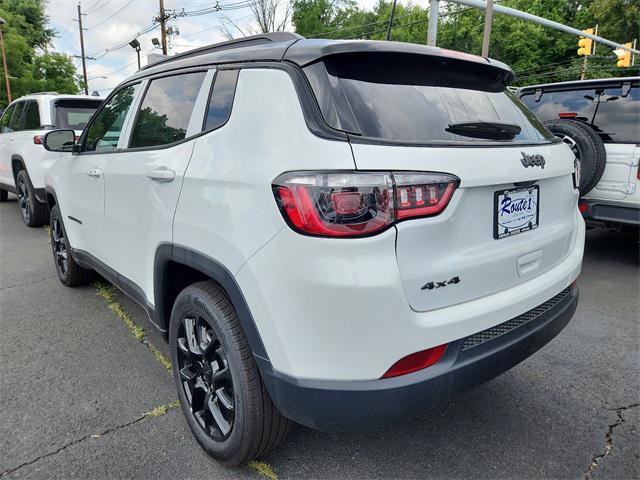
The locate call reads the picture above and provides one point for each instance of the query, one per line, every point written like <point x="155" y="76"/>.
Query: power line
<point x="111" y="16"/>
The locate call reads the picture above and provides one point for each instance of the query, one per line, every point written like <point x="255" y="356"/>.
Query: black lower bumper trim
<point x="337" y="405"/>
<point x="596" y="211"/>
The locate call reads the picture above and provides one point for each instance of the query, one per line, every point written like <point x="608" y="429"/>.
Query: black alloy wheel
<point x="58" y="242"/>
<point x="206" y="376"/>
<point x="22" y="190"/>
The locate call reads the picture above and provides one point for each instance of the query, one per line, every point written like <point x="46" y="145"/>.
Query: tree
<point x="31" y="68"/>
<point x="269" y="16"/>
<point x="537" y="54"/>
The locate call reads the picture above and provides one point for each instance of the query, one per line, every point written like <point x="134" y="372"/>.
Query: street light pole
<point x="486" y="34"/>
<point x="4" y="60"/>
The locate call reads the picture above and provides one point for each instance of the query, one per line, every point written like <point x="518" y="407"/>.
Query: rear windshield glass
<point x="75" y="114"/>
<point x="395" y="99"/>
<point x="612" y="111"/>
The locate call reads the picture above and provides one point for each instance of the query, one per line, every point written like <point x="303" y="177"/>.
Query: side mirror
<point x="60" y="141"/>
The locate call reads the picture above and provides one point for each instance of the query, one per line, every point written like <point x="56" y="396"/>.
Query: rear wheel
<point x="222" y="395"/>
<point x="588" y="148"/>
<point x="69" y="272"/>
<point x="3" y="195"/>
<point x="34" y="213"/>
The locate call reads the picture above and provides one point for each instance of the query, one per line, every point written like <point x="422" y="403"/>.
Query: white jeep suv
<point x="23" y="159"/>
<point x="331" y="232"/>
<point x="600" y="120"/>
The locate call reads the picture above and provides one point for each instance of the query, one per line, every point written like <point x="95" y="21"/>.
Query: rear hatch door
<point x="513" y="215"/>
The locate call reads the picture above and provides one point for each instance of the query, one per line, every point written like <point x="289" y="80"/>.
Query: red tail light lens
<point x="336" y="204"/>
<point x="422" y="195"/>
<point x="38" y="139"/>
<point x="416" y="361"/>
<point x="350" y="204"/>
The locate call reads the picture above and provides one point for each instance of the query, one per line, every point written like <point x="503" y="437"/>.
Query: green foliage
<point x="537" y="54"/>
<point x="26" y="36"/>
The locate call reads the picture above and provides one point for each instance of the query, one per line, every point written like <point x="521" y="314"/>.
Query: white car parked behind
<point x="23" y="159"/>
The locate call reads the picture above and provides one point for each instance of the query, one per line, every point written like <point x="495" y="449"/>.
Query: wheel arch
<point x="51" y="197"/>
<point x="177" y="267"/>
<point x="16" y="162"/>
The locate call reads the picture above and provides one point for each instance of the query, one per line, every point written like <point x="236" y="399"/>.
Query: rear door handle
<point x="94" y="172"/>
<point x="162" y="174"/>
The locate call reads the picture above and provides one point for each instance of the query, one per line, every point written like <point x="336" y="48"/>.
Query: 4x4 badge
<point x="533" y="160"/>
<point x="444" y="283"/>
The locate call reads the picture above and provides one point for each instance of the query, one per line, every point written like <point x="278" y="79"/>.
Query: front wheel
<point x="222" y="395"/>
<point x="34" y="213"/>
<point x="69" y="272"/>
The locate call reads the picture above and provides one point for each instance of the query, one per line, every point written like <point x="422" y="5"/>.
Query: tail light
<point x="416" y="361"/>
<point x="355" y="204"/>
<point x="38" y="140"/>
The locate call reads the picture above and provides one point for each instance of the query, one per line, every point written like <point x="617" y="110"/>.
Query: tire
<point x="3" y="195"/>
<point x="34" y="213"/>
<point x="588" y="148"/>
<point x="222" y="381"/>
<point x="69" y="272"/>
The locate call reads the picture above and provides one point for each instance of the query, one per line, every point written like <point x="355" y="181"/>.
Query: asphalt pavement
<point x="85" y="393"/>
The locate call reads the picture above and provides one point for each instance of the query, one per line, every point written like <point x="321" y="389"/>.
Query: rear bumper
<point x="600" y="212"/>
<point x="471" y="361"/>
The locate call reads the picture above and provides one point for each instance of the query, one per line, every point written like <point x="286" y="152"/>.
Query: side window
<point x="618" y="117"/>
<point x="105" y="130"/>
<point x="221" y="99"/>
<point x="166" y="110"/>
<point x="5" y="121"/>
<point x="31" y="116"/>
<point x="16" y="119"/>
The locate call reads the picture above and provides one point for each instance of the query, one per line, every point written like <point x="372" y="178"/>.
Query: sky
<point x="110" y="23"/>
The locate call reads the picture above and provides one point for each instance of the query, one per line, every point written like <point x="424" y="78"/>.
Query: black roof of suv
<point x="290" y="47"/>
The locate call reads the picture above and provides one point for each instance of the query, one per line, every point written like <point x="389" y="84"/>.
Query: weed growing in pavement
<point x="263" y="469"/>
<point x="138" y="332"/>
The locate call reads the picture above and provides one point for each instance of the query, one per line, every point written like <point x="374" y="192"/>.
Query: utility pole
<point x="393" y="12"/>
<point x="4" y="61"/>
<point x="432" y="32"/>
<point x="84" y="64"/>
<point x="486" y="34"/>
<point x="163" y="28"/>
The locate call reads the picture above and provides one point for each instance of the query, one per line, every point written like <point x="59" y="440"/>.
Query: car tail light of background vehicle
<point x="356" y="204"/>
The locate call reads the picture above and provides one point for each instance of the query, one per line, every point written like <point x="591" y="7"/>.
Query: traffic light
<point x="624" y="56"/>
<point x="585" y="44"/>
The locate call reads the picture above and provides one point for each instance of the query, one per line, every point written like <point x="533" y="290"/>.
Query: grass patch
<point x="162" y="409"/>
<point x="263" y="469"/>
<point x="139" y="333"/>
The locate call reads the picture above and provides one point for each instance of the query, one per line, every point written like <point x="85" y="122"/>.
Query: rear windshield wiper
<point x="489" y="130"/>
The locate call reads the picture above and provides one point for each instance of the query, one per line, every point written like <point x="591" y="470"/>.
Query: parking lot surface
<point x="84" y="393"/>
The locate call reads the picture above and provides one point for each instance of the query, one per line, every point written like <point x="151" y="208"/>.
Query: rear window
<point x="612" y="111"/>
<point x="409" y="100"/>
<point x="75" y="114"/>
